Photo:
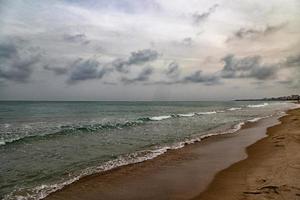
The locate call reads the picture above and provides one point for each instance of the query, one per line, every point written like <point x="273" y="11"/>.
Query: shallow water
<point x="46" y="145"/>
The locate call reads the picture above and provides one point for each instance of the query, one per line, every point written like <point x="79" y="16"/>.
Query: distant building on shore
<point x="294" y="97"/>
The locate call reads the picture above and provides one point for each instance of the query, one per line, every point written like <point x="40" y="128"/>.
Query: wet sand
<point x="271" y="171"/>
<point x="178" y="174"/>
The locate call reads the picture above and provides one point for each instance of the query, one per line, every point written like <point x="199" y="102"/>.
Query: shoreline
<point x="271" y="170"/>
<point x="111" y="180"/>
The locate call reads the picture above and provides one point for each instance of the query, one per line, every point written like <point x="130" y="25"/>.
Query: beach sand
<point x="272" y="169"/>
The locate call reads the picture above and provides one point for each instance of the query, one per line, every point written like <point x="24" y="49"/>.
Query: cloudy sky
<point x="149" y="49"/>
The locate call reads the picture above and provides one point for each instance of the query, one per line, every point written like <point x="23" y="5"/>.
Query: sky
<point x="114" y="50"/>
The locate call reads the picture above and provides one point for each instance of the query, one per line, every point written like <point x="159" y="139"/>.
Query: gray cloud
<point x="7" y="51"/>
<point x="57" y="70"/>
<point x="200" y="17"/>
<point x="248" y="67"/>
<point x="173" y="73"/>
<point x="142" y="56"/>
<point x="199" y="77"/>
<point x="188" y="41"/>
<point x="143" y="76"/>
<point x="173" y="70"/>
<point x="77" y="38"/>
<point x="120" y="65"/>
<point x="15" y="65"/>
<point x="86" y="70"/>
<point x="251" y="33"/>
<point x="292" y="61"/>
<point x="136" y="58"/>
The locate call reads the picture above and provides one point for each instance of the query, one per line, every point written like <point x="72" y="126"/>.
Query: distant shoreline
<point x="294" y="97"/>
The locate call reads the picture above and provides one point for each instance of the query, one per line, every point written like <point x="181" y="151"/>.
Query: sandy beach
<point x="206" y="170"/>
<point x="271" y="171"/>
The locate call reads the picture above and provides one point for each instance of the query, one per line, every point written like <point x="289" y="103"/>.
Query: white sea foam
<point x="207" y="113"/>
<point x="158" y="118"/>
<point x="257" y="105"/>
<point x="187" y="115"/>
<point x="234" y="108"/>
<point x="255" y="119"/>
<point x="42" y="191"/>
<point x="7" y="125"/>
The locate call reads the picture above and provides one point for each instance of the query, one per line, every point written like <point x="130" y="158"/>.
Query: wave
<point x="257" y="105"/>
<point x="163" y="117"/>
<point x="70" y="129"/>
<point x="255" y="119"/>
<point x="159" y="118"/>
<point x="187" y="115"/>
<point x="234" y="108"/>
<point x="206" y="113"/>
<point x="42" y="191"/>
<point x="7" y="125"/>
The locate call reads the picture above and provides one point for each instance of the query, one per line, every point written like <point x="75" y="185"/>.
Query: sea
<point x="46" y="145"/>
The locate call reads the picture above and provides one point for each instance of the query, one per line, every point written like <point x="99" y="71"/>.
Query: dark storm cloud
<point x="250" y="33"/>
<point x="86" y="70"/>
<point x="136" y="58"/>
<point x="200" y="17"/>
<point x="143" y="76"/>
<point x="15" y="65"/>
<point x="248" y="67"/>
<point x="77" y="38"/>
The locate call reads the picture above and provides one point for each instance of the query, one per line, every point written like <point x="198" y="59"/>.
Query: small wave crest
<point x="207" y="113"/>
<point x="257" y="105"/>
<point x="159" y="118"/>
<point x="255" y="119"/>
<point x="234" y="108"/>
<point x="187" y="115"/>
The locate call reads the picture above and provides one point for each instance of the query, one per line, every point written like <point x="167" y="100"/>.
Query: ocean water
<point x="47" y="145"/>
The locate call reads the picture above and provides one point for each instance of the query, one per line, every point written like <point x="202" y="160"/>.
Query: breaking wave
<point x="71" y="129"/>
